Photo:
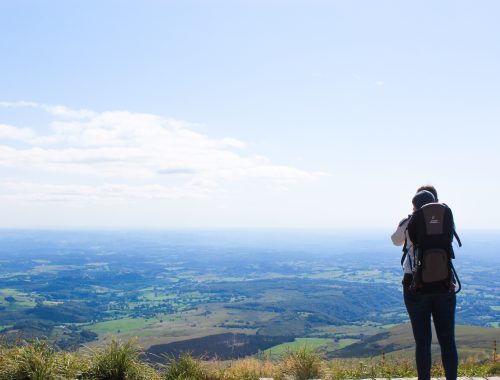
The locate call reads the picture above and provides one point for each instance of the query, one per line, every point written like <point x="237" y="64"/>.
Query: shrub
<point x="186" y="368"/>
<point x="302" y="364"/>
<point x="118" y="361"/>
<point x="251" y="369"/>
<point x="121" y="361"/>
<point x="494" y="369"/>
<point x="37" y="361"/>
<point x="370" y="368"/>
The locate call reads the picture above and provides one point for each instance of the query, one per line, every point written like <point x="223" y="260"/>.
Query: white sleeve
<point x="398" y="237"/>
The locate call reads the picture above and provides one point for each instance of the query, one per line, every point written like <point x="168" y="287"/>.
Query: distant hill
<point x="398" y="340"/>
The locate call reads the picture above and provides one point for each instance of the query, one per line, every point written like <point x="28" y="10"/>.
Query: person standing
<point x="441" y="307"/>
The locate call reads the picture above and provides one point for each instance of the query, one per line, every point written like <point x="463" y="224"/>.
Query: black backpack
<point x="432" y="229"/>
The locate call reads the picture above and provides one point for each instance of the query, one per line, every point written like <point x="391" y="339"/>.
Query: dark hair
<point x="422" y="198"/>
<point x="431" y="189"/>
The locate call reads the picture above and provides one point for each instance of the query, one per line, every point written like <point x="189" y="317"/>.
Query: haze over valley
<point x="229" y="293"/>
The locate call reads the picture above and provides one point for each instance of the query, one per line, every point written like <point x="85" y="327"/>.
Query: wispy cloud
<point x="114" y="151"/>
<point x="9" y="132"/>
<point x="32" y="191"/>
<point x="56" y="110"/>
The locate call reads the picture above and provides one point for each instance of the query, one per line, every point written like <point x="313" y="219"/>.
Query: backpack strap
<point x="455" y="231"/>
<point x="457" y="237"/>
<point x="405" y="250"/>
<point x="455" y="275"/>
<point x="405" y="245"/>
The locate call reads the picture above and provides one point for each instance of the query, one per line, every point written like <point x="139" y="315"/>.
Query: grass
<point x="342" y="343"/>
<point x="311" y="343"/>
<point x="187" y="368"/>
<point x="122" y="325"/>
<point x="118" y="361"/>
<point x="37" y="361"/>
<point x="22" y="300"/>
<point x="122" y="361"/>
<point x="302" y="364"/>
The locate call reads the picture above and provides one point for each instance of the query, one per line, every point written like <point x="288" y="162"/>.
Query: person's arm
<point x="398" y="237"/>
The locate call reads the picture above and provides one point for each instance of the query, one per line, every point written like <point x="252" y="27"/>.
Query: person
<point x="421" y="307"/>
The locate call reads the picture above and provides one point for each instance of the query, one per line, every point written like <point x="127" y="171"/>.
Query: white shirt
<point x="398" y="238"/>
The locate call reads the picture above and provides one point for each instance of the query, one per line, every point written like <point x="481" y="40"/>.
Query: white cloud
<point x="380" y="83"/>
<point x="20" y="104"/>
<point x="67" y="112"/>
<point x="233" y="143"/>
<point x="118" y="149"/>
<point x="107" y="192"/>
<point x="57" y="110"/>
<point x="9" y="132"/>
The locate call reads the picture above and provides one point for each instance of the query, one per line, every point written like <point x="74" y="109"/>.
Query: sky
<point x="247" y="114"/>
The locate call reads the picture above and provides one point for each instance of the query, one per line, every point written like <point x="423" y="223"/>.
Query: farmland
<point x="271" y="290"/>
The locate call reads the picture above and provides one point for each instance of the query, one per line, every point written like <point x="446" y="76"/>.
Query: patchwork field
<point x="331" y="292"/>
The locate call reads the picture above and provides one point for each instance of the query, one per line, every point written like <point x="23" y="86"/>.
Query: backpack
<point x="432" y="229"/>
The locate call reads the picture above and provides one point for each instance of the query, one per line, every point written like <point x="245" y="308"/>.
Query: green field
<point x="22" y="300"/>
<point x="310" y="343"/>
<point x="124" y="325"/>
<point x="165" y="291"/>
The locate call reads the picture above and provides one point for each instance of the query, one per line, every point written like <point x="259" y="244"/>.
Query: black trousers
<point x="442" y="309"/>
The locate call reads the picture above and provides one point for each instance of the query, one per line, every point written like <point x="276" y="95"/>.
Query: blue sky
<point x="270" y="113"/>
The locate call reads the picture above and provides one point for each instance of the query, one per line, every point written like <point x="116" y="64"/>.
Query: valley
<point x="229" y="294"/>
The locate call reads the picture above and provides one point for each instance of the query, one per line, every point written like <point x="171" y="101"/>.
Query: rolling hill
<point x="398" y="340"/>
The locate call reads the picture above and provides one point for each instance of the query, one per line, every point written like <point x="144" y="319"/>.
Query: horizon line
<point x="219" y="228"/>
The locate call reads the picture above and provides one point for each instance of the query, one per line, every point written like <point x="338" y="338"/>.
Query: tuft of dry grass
<point x="252" y="369"/>
<point x="37" y="361"/>
<point x="187" y="368"/>
<point x="118" y="361"/>
<point x="302" y="364"/>
<point x="121" y="361"/>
